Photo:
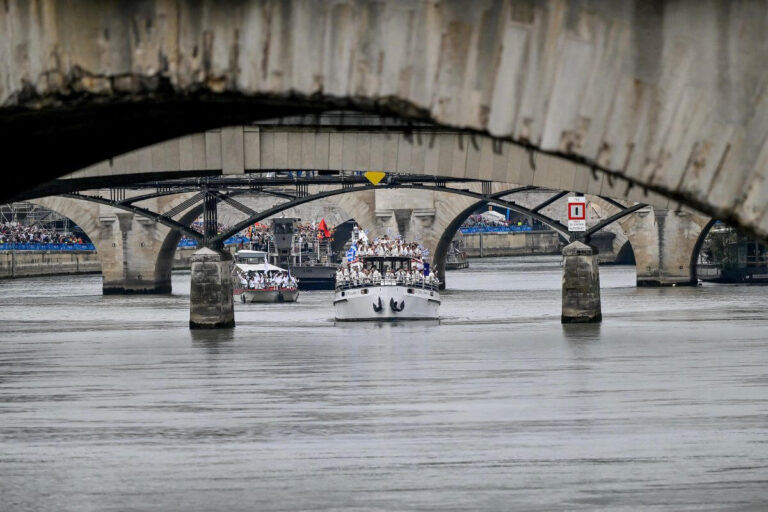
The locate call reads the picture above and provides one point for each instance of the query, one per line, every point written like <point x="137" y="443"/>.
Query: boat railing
<point x="352" y="284"/>
<point x="271" y="288"/>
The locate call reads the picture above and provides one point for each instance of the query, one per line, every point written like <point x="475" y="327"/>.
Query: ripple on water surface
<point x="111" y="403"/>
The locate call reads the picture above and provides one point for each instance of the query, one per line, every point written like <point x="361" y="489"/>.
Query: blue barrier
<point x="495" y="229"/>
<point x="235" y="240"/>
<point x="47" y="247"/>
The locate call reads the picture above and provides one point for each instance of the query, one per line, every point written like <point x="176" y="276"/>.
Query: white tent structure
<point x="260" y="267"/>
<point x="492" y="216"/>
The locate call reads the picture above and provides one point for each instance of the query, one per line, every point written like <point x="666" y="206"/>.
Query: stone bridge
<point x="136" y="252"/>
<point x="667" y="97"/>
<point x="637" y="101"/>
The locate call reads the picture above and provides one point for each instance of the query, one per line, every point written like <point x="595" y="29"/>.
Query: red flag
<point x="323" y="228"/>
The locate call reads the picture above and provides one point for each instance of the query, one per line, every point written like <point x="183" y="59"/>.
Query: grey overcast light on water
<point x="111" y="403"/>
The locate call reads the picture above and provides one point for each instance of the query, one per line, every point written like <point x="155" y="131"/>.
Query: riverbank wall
<point x="518" y="243"/>
<point x="50" y="263"/>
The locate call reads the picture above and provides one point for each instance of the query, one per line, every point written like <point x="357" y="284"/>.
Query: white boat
<point x="268" y="295"/>
<point x="247" y="272"/>
<point x="390" y="299"/>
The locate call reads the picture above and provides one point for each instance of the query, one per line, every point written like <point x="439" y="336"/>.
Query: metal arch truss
<point x="157" y="217"/>
<point x="613" y="218"/>
<point x="492" y="199"/>
<point x="223" y="190"/>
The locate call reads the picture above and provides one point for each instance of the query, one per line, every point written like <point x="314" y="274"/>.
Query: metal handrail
<point x="348" y="285"/>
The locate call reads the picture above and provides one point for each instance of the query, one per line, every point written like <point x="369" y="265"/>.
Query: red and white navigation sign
<point x="577" y="214"/>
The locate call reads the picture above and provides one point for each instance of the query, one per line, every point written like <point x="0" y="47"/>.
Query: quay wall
<point x="49" y="263"/>
<point x="46" y="263"/>
<point x="182" y="260"/>
<point x="485" y="245"/>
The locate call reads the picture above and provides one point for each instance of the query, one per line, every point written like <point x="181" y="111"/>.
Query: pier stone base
<point x="137" y="286"/>
<point x="581" y="284"/>
<point x="211" y="305"/>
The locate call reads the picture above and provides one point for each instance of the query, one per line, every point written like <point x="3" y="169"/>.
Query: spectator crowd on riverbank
<point x="19" y="234"/>
<point x="480" y="221"/>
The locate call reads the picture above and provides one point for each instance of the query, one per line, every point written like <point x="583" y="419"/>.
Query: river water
<point x="111" y="403"/>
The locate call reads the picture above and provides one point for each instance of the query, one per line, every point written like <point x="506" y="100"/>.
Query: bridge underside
<point x="631" y="89"/>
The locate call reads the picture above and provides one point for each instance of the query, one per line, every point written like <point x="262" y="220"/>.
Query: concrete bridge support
<point x="211" y="304"/>
<point x="128" y="247"/>
<point x="135" y="252"/>
<point x="581" y="285"/>
<point x="664" y="242"/>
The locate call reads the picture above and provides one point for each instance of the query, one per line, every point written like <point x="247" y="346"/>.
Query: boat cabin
<point x="250" y="257"/>
<point x="384" y="263"/>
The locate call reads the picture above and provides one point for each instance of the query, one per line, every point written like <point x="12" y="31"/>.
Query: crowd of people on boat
<point x="263" y="281"/>
<point x="259" y="234"/>
<point x="357" y="276"/>
<point x="19" y="234"/>
<point x="386" y="246"/>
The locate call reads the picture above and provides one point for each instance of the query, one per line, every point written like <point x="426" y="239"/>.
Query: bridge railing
<point x="350" y="285"/>
<point x="47" y="247"/>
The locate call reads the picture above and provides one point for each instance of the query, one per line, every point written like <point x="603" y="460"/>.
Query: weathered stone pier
<point x="581" y="284"/>
<point x="211" y="304"/>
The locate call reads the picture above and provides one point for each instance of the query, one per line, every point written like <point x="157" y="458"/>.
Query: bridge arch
<point x="359" y="206"/>
<point x="136" y="253"/>
<point x="626" y="255"/>
<point x="565" y="82"/>
<point x="697" y="247"/>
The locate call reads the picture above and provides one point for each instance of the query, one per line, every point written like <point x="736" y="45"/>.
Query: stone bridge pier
<point x="211" y="301"/>
<point x="664" y="242"/>
<point x="136" y="253"/>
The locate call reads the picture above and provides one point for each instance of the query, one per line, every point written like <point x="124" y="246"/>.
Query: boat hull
<point x="315" y="277"/>
<point x="280" y="295"/>
<point x="386" y="303"/>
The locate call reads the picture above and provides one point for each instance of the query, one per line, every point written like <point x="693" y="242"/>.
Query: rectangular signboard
<point x="577" y="214"/>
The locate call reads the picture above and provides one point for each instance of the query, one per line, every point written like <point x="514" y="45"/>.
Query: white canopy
<point x="260" y="267"/>
<point x="246" y="253"/>
<point x="492" y="215"/>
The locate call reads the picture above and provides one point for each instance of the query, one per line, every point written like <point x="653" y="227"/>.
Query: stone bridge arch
<point x="665" y="243"/>
<point x="136" y="253"/>
<point x="639" y="94"/>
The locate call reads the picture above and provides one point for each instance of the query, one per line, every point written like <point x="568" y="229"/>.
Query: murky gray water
<point x="111" y="403"/>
